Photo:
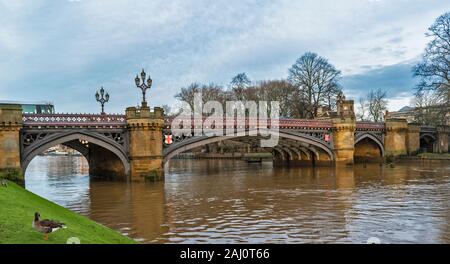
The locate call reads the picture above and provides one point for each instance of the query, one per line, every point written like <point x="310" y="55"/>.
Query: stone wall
<point x="413" y="139"/>
<point x="442" y="139"/>
<point x="10" y="125"/>
<point x="395" y="138"/>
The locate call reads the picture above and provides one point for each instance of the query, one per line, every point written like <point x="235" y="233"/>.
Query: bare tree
<point x="377" y="104"/>
<point x="238" y="85"/>
<point x="167" y="109"/>
<point x="434" y="69"/>
<point x="434" y="73"/>
<point x="362" y="109"/>
<point x="427" y="109"/>
<point x="210" y="92"/>
<point x="187" y="94"/>
<point x="316" y="80"/>
<point x="278" y="90"/>
<point x="331" y="96"/>
<point x="283" y="91"/>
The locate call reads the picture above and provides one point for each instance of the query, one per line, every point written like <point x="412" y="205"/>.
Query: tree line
<point x="313" y="84"/>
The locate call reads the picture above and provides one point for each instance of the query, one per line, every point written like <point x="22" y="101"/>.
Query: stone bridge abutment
<point x="10" y="126"/>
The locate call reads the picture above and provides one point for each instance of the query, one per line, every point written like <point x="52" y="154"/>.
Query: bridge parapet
<point x="85" y="120"/>
<point x="144" y="112"/>
<point x="251" y="123"/>
<point x="370" y="126"/>
<point x="310" y="124"/>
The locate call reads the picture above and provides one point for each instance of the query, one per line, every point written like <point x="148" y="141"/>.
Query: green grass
<point x="17" y="208"/>
<point x="445" y="156"/>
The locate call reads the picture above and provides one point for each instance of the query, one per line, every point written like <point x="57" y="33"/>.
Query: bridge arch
<point x="429" y="135"/>
<point x="289" y="152"/>
<point x="427" y="141"/>
<point x="69" y="139"/>
<point x="295" y="153"/>
<point x="306" y="153"/>
<point x="280" y="154"/>
<point x="309" y="143"/>
<point x="368" y="145"/>
<point x="78" y="146"/>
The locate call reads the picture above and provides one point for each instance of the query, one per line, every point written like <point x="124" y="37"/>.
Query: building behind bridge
<point x="411" y="113"/>
<point x="33" y="107"/>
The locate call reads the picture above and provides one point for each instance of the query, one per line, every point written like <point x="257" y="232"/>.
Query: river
<point x="226" y="201"/>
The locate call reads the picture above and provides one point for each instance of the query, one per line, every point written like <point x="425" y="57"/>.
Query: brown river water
<point x="226" y="201"/>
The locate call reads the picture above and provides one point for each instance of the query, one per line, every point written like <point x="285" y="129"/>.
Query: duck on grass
<point x="19" y="207"/>
<point x="46" y="226"/>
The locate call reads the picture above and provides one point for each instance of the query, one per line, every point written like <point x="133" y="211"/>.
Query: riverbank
<point x="428" y="156"/>
<point x="17" y="208"/>
<point x="435" y="156"/>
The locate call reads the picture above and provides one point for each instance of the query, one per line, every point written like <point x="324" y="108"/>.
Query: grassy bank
<point x="17" y="207"/>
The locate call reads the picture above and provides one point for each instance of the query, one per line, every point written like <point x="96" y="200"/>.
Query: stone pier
<point x="413" y="139"/>
<point x="145" y="145"/>
<point x="395" y="140"/>
<point x="344" y="126"/>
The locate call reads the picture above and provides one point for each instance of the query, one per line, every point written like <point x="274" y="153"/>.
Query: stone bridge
<point x="131" y="146"/>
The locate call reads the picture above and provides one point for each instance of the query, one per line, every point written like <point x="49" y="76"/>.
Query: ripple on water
<point x="209" y="202"/>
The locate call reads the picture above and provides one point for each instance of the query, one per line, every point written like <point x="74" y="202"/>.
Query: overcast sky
<point x="63" y="51"/>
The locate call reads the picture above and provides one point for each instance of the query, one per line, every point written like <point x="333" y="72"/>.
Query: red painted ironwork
<point x="168" y="139"/>
<point x="253" y="122"/>
<point x="120" y="120"/>
<point x="73" y="120"/>
<point x="362" y="125"/>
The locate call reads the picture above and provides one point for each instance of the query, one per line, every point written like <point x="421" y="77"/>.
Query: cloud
<point x="63" y="51"/>
<point x="396" y="80"/>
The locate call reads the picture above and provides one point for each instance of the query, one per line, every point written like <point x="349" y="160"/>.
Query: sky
<point x="63" y="51"/>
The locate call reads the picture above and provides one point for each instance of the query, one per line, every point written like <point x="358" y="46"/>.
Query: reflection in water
<point x="224" y="201"/>
<point x="63" y="180"/>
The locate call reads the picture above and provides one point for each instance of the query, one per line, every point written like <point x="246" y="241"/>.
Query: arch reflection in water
<point x="225" y="201"/>
<point x="61" y="179"/>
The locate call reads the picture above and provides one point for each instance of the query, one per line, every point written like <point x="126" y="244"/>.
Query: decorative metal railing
<point x="120" y="120"/>
<point x="362" y="125"/>
<point x="73" y="120"/>
<point x="305" y="123"/>
<point x="253" y="122"/>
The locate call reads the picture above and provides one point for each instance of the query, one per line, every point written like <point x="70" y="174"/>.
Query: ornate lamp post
<point x="102" y="98"/>
<point x="141" y="84"/>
